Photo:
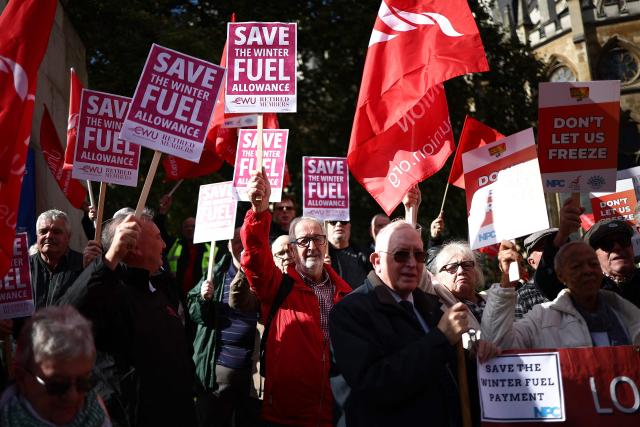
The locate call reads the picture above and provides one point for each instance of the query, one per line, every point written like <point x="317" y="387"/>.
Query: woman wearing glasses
<point x="53" y="371"/>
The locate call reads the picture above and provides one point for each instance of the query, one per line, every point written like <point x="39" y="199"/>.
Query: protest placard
<point x="595" y="394"/>
<point x="173" y="103"/>
<point x="16" y="294"/>
<point x="578" y="135"/>
<point x="521" y="387"/>
<point x="325" y="188"/>
<point x="261" y="59"/>
<point x="216" y="214"/>
<point x="100" y="153"/>
<point x="620" y="204"/>
<point x="274" y="154"/>
<point x="504" y="193"/>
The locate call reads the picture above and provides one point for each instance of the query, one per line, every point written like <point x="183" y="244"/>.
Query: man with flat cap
<point x="610" y="238"/>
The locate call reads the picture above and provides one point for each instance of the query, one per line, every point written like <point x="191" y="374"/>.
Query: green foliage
<point x="332" y="42"/>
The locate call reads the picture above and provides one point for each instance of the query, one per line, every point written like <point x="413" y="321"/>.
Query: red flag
<point x="75" y="89"/>
<point x="474" y="134"/>
<point x="53" y="155"/>
<point x="26" y="26"/>
<point x="401" y="131"/>
<point x="176" y="168"/>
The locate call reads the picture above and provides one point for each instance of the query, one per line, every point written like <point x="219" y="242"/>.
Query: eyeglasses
<point x="341" y="222"/>
<point x="304" y="242"/>
<point x="451" y="268"/>
<point x="607" y="244"/>
<point x="284" y="208"/>
<point x="61" y="387"/>
<point x="281" y="255"/>
<point x="404" y="256"/>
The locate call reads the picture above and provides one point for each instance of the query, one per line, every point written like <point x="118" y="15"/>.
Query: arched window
<point x="620" y="60"/>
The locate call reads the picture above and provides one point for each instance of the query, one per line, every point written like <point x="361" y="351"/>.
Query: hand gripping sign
<point x="620" y="204"/>
<point x="578" y="135"/>
<point x="16" y="295"/>
<point x="325" y="183"/>
<point x="100" y="153"/>
<point x="504" y="195"/>
<point x="274" y="154"/>
<point x="216" y="215"/>
<point x="261" y="58"/>
<point x="173" y="103"/>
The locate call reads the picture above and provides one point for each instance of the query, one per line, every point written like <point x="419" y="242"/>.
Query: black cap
<point x="606" y="227"/>
<point x="533" y="239"/>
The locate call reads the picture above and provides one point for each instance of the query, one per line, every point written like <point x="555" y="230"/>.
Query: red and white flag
<point x="26" y="26"/>
<point x="75" y="90"/>
<point x="53" y="155"/>
<point x="401" y="131"/>
<point x="474" y="134"/>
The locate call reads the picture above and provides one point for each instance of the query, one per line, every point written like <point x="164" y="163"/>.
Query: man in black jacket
<point x="392" y="346"/>
<point x="134" y="308"/>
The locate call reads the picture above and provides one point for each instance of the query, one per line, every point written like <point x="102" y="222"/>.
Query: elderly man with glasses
<point x="393" y="346"/>
<point x="296" y="305"/>
<point x="53" y="364"/>
<point x="611" y="240"/>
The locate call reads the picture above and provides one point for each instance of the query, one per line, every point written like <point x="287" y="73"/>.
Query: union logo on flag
<point x="498" y="150"/>
<point x="579" y="93"/>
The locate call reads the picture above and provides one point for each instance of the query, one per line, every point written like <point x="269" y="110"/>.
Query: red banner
<point x="26" y="26"/>
<point x="401" y="130"/>
<point x="54" y="156"/>
<point x="75" y="90"/>
<point x="601" y="387"/>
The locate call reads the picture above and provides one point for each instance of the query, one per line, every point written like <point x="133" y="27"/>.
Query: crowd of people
<point x="290" y="323"/>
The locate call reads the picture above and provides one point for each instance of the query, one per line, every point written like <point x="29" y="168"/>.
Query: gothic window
<point x="619" y="61"/>
<point x="562" y="73"/>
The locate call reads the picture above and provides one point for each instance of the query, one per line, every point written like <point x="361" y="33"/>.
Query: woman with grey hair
<point x="53" y="374"/>
<point x="459" y="277"/>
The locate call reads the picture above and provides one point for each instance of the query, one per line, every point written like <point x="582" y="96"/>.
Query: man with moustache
<point x="346" y="259"/>
<point x="297" y="391"/>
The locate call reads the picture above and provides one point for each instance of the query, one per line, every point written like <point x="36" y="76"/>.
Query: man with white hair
<point x="297" y="391"/>
<point x="393" y="346"/>
<point x="54" y="266"/>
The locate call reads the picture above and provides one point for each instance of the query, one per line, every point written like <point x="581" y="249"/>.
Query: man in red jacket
<point x="297" y="390"/>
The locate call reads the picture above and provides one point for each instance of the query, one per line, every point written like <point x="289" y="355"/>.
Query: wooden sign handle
<point x="100" y="213"/>
<point x="259" y="146"/>
<point x="147" y="183"/>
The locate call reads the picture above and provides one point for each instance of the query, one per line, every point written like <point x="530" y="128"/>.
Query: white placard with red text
<point x="274" y="152"/>
<point x="325" y="186"/>
<point x="620" y="204"/>
<point x="16" y="293"/>
<point x="504" y="192"/>
<point x="173" y="103"/>
<point x="261" y="61"/>
<point x="100" y="153"/>
<point x="216" y="215"/>
<point x="578" y="135"/>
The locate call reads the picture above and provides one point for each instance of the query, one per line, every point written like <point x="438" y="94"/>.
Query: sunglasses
<point x="61" y="387"/>
<point x="607" y="244"/>
<point x="341" y="222"/>
<point x="453" y="267"/>
<point x="405" y="256"/>
<point x="284" y="208"/>
<point x="304" y="242"/>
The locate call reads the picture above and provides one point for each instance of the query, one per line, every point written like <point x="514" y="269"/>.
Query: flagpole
<point x="444" y="198"/>
<point x="100" y="213"/>
<point x="463" y="386"/>
<point x="147" y="183"/>
<point x="175" y="187"/>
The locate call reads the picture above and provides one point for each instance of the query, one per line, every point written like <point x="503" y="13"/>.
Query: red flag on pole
<point x="26" y="26"/>
<point x="75" y="90"/>
<point x="53" y="155"/>
<point x="401" y="131"/>
<point x="474" y="134"/>
<point x="176" y="168"/>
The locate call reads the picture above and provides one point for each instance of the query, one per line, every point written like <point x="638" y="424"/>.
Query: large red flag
<point x="401" y="131"/>
<point x="53" y="155"/>
<point x="176" y="168"/>
<point x="26" y="26"/>
<point x="75" y="90"/>
<point x="474" y="134"/>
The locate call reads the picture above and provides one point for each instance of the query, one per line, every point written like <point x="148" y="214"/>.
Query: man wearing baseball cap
<point x="610" y="238"/>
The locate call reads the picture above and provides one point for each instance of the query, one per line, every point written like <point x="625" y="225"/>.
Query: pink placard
<point x="325" y="183"/>
<point x="261" y="57"/>
<point x="216" y="215"/>
<point x="274" y="142"/>
<point x="100" y="153"/>
<point x="16" y="294"/>
<point x="173" y="103"/>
